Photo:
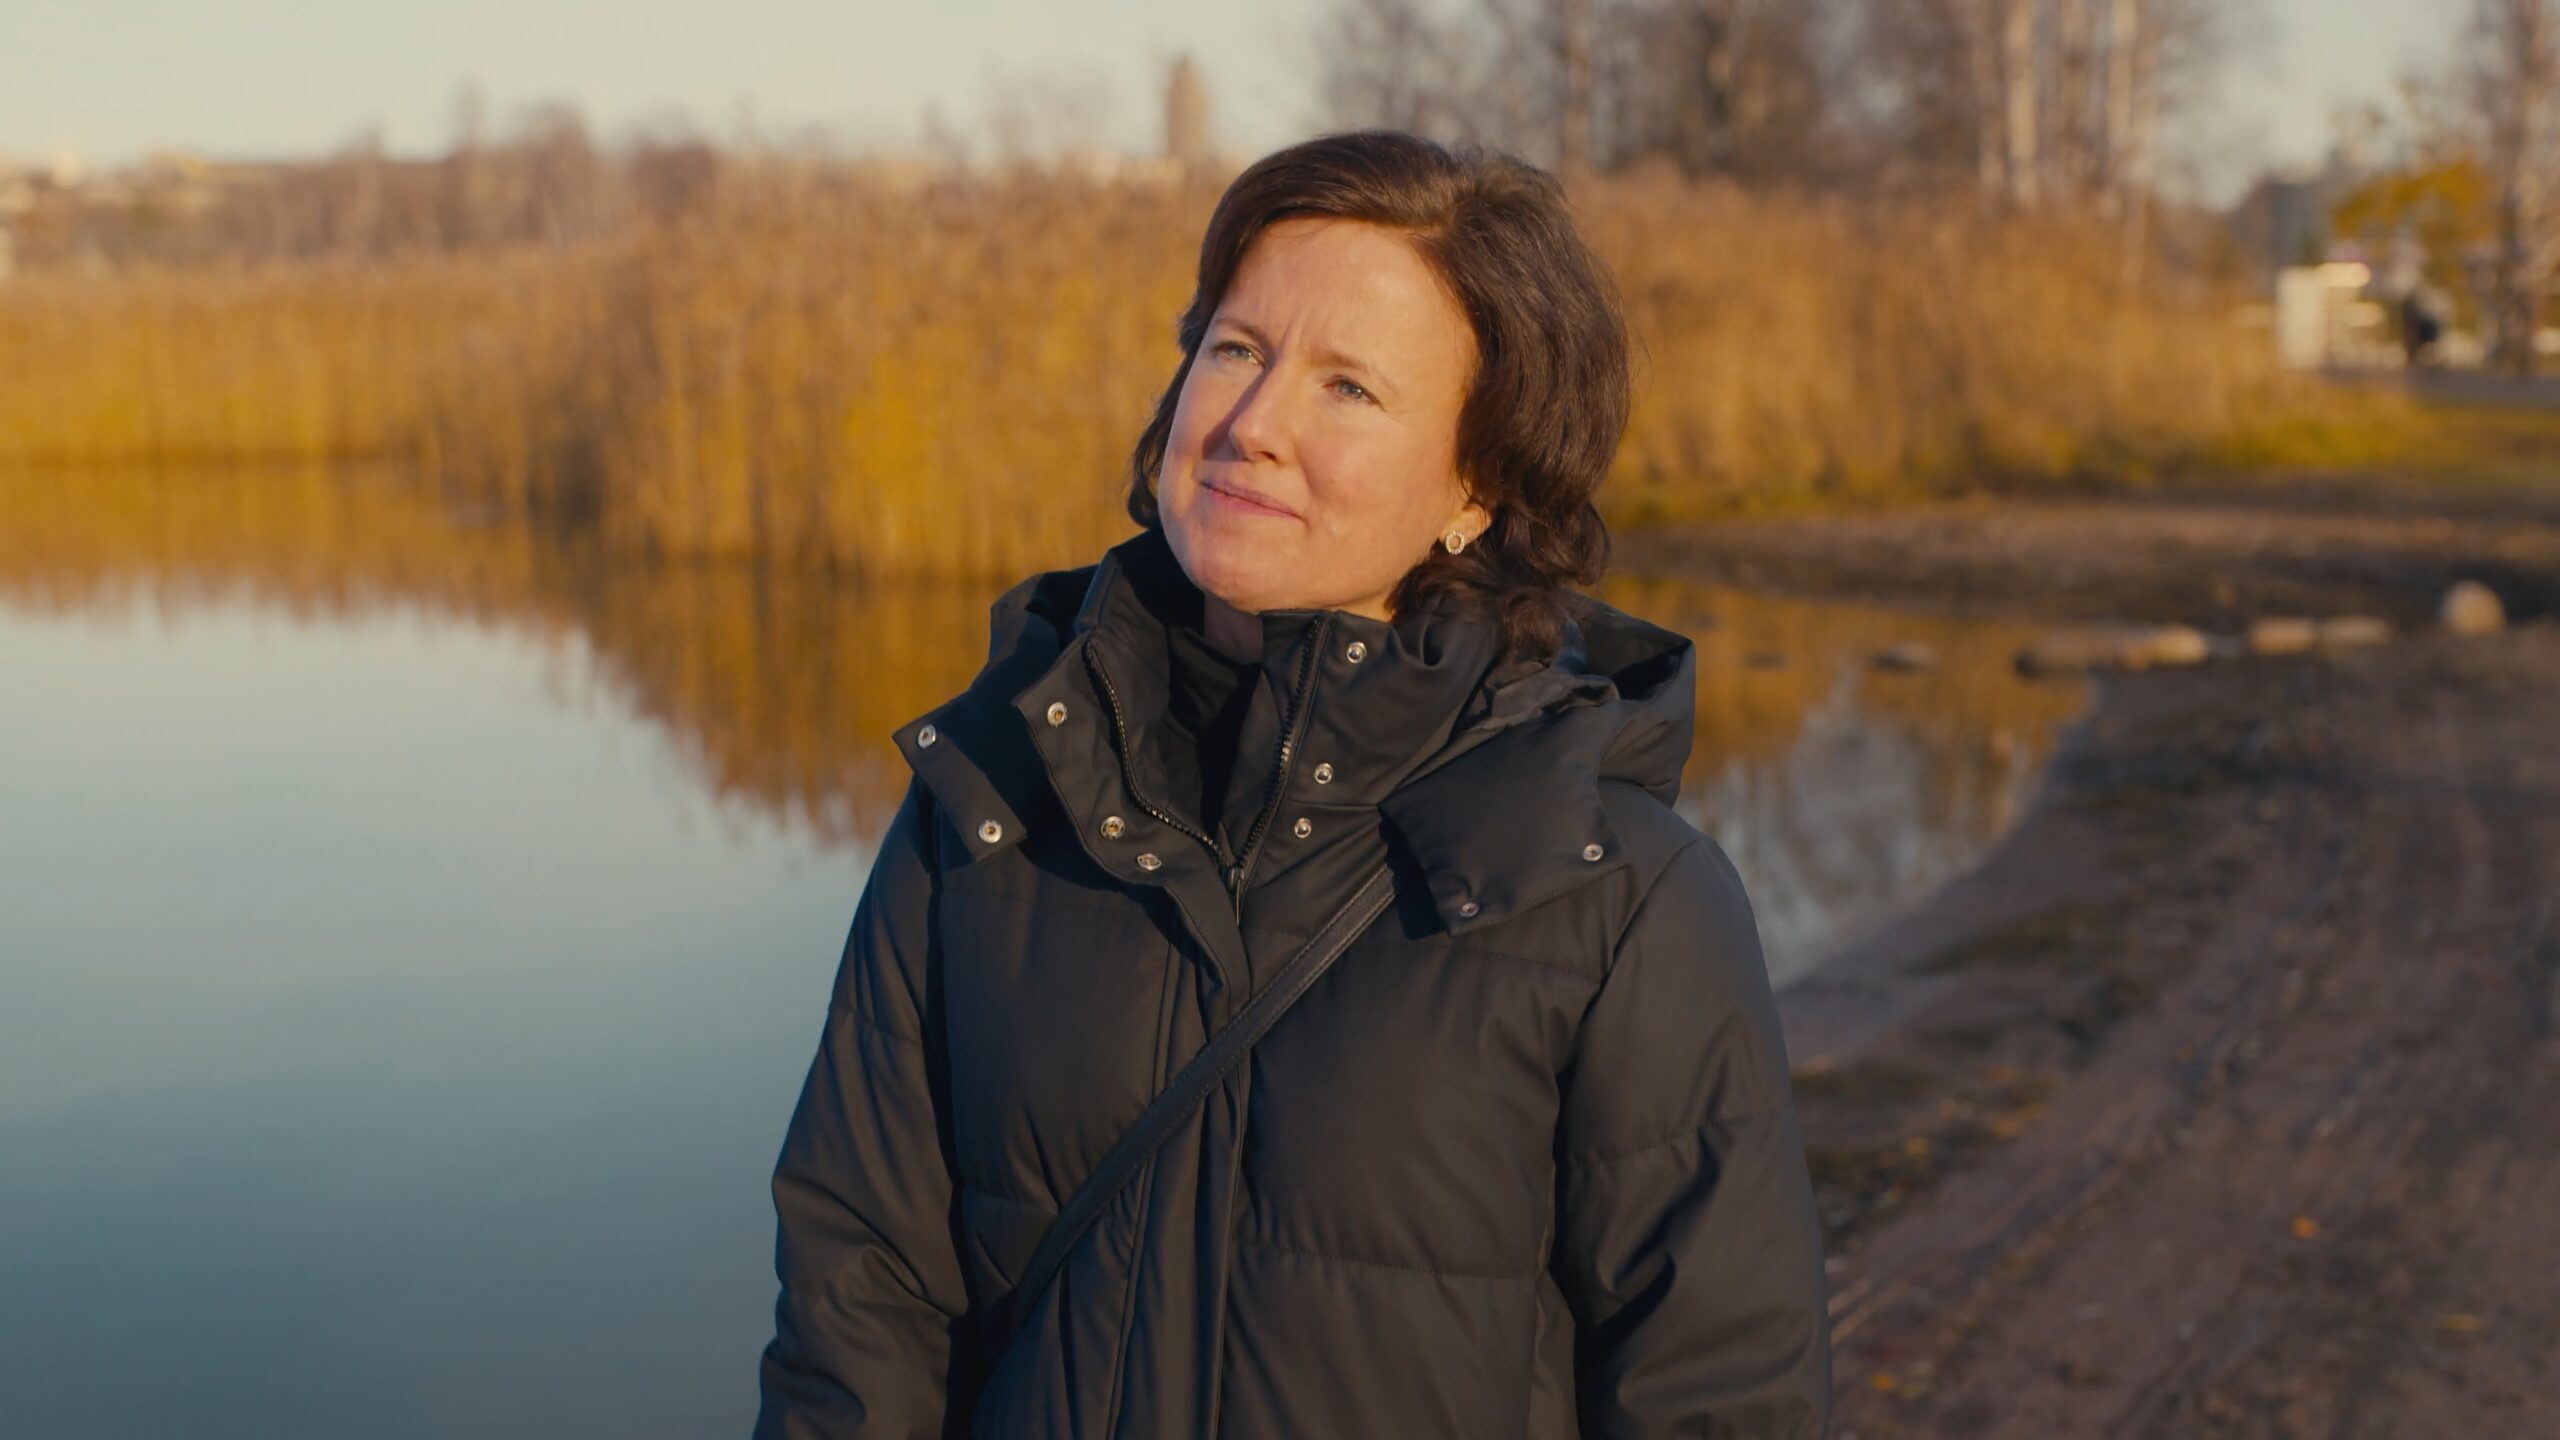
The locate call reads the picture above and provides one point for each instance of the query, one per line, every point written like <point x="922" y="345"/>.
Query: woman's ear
<point x="1472" y="518"/>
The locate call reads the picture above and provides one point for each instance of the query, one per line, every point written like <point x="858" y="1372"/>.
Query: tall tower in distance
<point x="1186" y="115"/>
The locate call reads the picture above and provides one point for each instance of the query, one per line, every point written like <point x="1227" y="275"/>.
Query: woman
<point x="1522" y="1161"/>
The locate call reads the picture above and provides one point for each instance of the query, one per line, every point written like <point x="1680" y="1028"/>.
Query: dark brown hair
<point x="1548" y="401"/>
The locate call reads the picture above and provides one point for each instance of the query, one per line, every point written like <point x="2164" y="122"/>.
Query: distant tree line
<point x="546" y="181"/>
<point x="2029" y="102"/>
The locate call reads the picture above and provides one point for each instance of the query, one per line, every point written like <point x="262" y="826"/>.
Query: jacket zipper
<point x="1128" y="771"/>
<point x="1311" y="648"/>
<point x="1292" y="730"/>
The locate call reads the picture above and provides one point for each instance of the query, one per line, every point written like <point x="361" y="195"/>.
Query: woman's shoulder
<point x="1686" y="882"/>
<point x="1654" y="835"/>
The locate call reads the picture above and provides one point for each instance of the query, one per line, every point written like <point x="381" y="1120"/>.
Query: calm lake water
<point x="411" y="941"/>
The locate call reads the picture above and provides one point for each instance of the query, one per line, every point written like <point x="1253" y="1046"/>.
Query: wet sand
<point x="2223" y="1098"/>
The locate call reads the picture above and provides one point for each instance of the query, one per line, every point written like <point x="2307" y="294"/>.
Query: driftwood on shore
<point x="2082" y="649"/>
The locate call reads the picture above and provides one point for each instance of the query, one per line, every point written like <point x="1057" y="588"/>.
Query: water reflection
<point x="392" y="1042"/>
<point x="411" y="935"/>
<point x="1842" y="789"/>
<point x="1845" y="788"/>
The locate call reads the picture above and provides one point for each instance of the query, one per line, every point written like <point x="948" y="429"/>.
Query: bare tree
<point x="2022" y="60"/>
<point x="472" y="203"/>
<point x="672" y="175"/>
<point x="567" y="188"/>
<point x="1722" y="86"/>
<point x="1957" y="82"/>
<point x="1520" y="89"/>
<point x="1391" y="63"/>
<point x="2131" y="104"/>
<point x="2043" y="102"/>
<point x="1573" y="49"/>
<point x="2040" y="102"/>
<point x="2071" y="88"/>
<point x="1493" y="71"/>
<point x="2510" y="73"/>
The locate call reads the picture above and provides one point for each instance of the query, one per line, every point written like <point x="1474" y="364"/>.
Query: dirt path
<point x="2224" y="1098"/>
<point x="2211" y="559"/>
<point x="2300" y="1177"/>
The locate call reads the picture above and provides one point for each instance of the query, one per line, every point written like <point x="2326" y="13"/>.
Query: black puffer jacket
<point x="1521" y="1164"/>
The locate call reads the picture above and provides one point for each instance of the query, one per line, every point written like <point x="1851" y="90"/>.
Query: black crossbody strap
<point x="1185" y="1092"/>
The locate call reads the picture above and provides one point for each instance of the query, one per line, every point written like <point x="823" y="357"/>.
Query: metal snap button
<point x="1113" y="825"/>
<point x="1148" y="861"/>
<point x="1324" y="773"/>
<point x="1468" y="907"/>
<point x="1302" y="829"/>
<point x="991" y="832"/>
<point x="1057" y="712"/>
<point x="1355" y="652"/>
<point x="1591" y="852"/>
<point x="926" y="736"/>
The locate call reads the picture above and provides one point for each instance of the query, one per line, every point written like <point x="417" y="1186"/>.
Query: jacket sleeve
<point x="867" y="1330"/>
<point x="1687" y="1242"/>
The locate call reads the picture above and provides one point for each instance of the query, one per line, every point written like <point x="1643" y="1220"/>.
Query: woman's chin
<point x="1242" y="574"/>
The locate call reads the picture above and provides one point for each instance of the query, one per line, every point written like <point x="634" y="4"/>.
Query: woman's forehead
<point x="1345" y="290"/>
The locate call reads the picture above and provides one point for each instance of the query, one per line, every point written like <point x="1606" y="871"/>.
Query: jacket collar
<point x="1488" y="772"/>
<point x="1367" y="701"/>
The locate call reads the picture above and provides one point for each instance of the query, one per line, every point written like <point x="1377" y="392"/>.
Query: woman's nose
<point x="1258" y="426"/>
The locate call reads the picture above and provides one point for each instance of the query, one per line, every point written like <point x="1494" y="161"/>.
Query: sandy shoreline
<point x="2218" y="1100"/>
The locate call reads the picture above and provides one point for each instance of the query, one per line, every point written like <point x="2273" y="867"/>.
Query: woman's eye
<point x="1344" y="386"/>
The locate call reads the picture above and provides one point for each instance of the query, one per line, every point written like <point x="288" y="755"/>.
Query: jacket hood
<point x="1511" y="813"/>
<point x="1489" y="770"/>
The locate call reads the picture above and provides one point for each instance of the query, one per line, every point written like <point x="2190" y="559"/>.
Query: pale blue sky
<point x="112" y="79"/>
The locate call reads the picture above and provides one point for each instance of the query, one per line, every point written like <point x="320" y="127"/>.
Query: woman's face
<point x="1313" y="459"/>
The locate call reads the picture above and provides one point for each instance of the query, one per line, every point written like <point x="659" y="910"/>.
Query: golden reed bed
<point x="944" y="382"/>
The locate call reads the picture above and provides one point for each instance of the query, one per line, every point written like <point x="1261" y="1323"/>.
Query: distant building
<point x="2284" y="219"/>
<point x="1186" y="115"/>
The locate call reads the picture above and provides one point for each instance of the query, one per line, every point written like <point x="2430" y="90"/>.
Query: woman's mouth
<point x="1248" y="501"/>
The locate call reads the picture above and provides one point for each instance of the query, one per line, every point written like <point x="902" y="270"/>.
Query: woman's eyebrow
<point x="1323" y="355"/>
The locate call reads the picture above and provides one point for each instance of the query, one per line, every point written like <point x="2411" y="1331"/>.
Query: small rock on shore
<point x="2471" y="608"/>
